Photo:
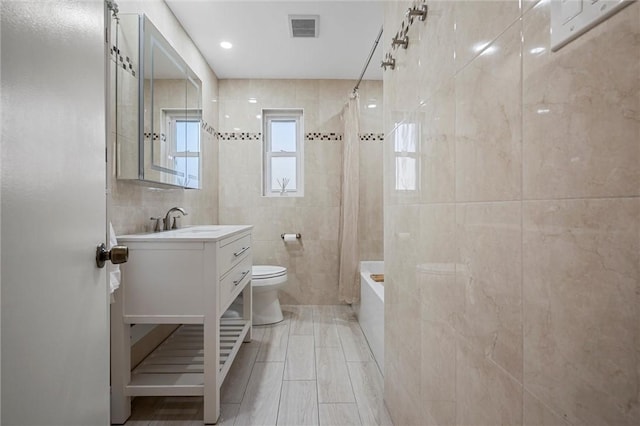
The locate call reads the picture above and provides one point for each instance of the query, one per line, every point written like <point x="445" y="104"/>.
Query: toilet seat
<point x="264" y="276"/>
<point x="259" y="272"/>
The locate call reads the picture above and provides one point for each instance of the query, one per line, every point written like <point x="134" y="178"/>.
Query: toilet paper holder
<point x="298" y="236"/>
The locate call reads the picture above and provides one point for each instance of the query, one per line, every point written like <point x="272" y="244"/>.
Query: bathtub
<point x="370" y="311"/>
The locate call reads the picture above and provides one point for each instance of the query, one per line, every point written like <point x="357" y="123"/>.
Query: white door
<point x="54" y="316"/>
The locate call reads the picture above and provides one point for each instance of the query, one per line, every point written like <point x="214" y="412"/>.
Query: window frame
<point x="400" y="151"/>
<point x="170" y="117"/>
<point x="268" y="116"/>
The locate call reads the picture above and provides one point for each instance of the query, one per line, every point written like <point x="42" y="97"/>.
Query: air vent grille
<point x="303" y="25"/>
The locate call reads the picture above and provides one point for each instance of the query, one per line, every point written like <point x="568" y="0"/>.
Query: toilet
<point x="266" y="280"/>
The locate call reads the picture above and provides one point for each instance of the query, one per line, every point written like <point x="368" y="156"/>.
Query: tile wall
<point x="513" y="263"/>
<point x="133" y="203"/>
<point x="312" y="264"/>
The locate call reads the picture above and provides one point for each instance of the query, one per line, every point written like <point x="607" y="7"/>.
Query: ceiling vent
<point x="303" y="25"/>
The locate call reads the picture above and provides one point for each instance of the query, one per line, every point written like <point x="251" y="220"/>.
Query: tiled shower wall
<point x="313" y="262"/>
<point x="513" y="268"/>
<point x="133" y="203"/>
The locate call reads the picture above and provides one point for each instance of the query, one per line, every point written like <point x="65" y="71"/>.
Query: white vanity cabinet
<point x="190" y="277"/>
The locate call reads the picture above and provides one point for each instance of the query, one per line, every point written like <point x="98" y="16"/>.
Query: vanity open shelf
<point x="176" y="367"/>
<point x="189" y="277"/>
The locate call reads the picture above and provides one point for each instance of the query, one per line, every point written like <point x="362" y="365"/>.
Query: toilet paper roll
<point x="290" y="237"/>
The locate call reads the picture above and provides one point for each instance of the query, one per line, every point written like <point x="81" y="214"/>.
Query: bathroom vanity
<point x="187" y="276"/>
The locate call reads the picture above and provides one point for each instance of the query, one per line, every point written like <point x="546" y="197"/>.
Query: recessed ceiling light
<point x="226" y="45"/>
<point x="253" y="100"/>
<point x="258" y="116"/>
<point x="371" y="105"/>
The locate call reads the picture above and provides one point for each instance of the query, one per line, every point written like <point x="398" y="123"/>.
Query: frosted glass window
<point x="283" y="149"/>
<point x="283" y="170"/>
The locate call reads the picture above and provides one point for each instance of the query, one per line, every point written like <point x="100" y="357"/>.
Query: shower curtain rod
<point x="366" y="65"/>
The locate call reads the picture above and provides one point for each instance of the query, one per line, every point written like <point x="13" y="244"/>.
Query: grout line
<point x="522" y="134"/>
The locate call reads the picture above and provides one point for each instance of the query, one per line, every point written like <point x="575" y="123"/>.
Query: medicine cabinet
<point x="158" y="108"/>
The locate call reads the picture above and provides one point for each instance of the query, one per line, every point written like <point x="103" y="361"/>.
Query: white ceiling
<point x="263" y="48"/>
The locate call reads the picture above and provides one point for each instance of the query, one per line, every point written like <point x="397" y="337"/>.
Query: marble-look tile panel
<point x="438" y="146"/>
<point x="490" y="272"/>
<point x="488" y="122"/>
<point x="438" y="371"/>
<point x="486" y="394"/>
<point x="582" y="109"/>
<point x="581" y="318"/>
<point x="538" y="414"/>
<point x="478" y="23"/>
<point x="435" y="48"/>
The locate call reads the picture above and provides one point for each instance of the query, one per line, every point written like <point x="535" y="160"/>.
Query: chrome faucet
<point x="167" y="218"/>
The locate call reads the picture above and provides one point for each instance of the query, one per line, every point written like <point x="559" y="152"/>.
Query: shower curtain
<point x="348" y="289"/>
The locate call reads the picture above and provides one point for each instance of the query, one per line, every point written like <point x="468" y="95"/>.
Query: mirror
<point x="169" y="111"/>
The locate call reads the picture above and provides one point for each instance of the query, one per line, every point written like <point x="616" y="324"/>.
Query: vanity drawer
<point x="232" y="283"/>
<point x="232" y="251"/>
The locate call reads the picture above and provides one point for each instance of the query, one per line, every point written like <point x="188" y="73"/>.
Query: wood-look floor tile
<point x="324" y="327"/>
<point x="300" y="363"/>
<point x="368" y="387"/>
<point x="309" y="350"/>
<point x="235" y="383"/>
<point x="301" y="318"/>
<point x="298" y="404"/>
<point x="260" y="403"/>
<point x="339" y="415"/>
<point x="355" y="345"/>
<point x="332" y="376"/>
<point x="274" y="343"/>
<point x="228" y="414"/>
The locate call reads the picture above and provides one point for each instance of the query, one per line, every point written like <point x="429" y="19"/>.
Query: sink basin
<point x="188" y="233"/>
<point x="199" y="229"/>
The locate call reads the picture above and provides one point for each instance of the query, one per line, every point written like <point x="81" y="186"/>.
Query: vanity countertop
<point x="188" y="233"/>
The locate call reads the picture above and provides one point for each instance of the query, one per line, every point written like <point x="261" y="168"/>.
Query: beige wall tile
<point x="581" y="282"/>
<point x="478" y="23"/>
<point x="438" y="372"/>
<point x="131" y="202"/>
<point x="313" y="262"/>
<point x="582" y="109"/>
<point x="488" y="122"/>
<point x="564" y="330"/>
<point x="438" y="146"/>
<point x="538" y="414"/>
<point x="489" y="251"/>
<point x="487" y="395"/>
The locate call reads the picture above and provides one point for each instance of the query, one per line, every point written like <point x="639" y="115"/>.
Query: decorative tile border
<point x="239" y="136"/>
<point x="122" y="61"/>
<point x="323" y="137"/>
<point x="309" y="137"/>
<point x="371" y="137"/>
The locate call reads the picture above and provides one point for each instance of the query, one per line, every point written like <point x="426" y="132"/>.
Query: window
<point x="407" y="156"/>
<point x="283" y="158"/>
<point x="183" y="147"/>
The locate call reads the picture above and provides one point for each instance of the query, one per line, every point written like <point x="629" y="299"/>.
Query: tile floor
<point x="313" y="368"/>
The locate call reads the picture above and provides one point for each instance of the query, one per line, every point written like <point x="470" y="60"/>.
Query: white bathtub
<point x="371" y="309"/>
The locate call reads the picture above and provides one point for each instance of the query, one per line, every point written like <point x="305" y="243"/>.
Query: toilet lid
<point x="267" y="271"/>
